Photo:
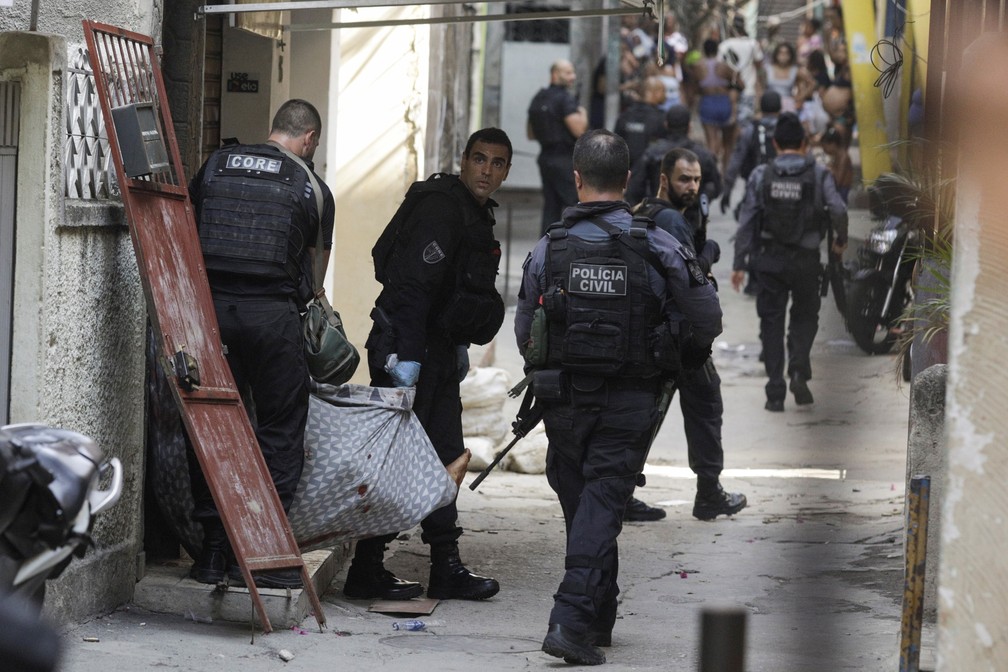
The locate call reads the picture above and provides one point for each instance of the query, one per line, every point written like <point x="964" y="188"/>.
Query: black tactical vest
<point x="253" y="215"/>
<point x="761" y="149"/>
<point x="474" y="310"/>
<point x="599" y="304"/>
<point x="792" y="203"/>
<point x="546" y="118"/>
<point x="650" y="207"/>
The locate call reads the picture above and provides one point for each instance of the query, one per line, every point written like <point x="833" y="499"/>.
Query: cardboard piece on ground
<point x="420" y="607"/>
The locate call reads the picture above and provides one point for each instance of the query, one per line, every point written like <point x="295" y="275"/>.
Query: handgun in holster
<point x="382" y="341"/>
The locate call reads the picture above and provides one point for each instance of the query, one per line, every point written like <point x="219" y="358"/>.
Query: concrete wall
<point x="309" y="66"/>
<point x="376" y="149"/>
<point x="973" y="629"/>
<point x="247" y="116"/>
<point x="77" y="323"/>
<point x="532" y="60"/>
<point x="64" y="19"/>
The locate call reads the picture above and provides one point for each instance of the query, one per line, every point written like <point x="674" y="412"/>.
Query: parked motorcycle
<point x="49" y="497"/>
<point x="880" y="287"/>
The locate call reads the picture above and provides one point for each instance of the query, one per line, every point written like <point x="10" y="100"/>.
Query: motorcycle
<point x="50" y="495"/>
<point x="880" y="286"/>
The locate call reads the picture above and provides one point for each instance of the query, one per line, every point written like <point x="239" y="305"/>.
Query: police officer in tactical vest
<point x="789" y="203"/>
<point x="437" y="261"/>
<point x="258" y="221"/>
<point x="754" y="146"/>
<point x="614" y="291"/>
<point x="699" y="388"/>
<point x="645" y="174"/>
<point x="555" y="121"/>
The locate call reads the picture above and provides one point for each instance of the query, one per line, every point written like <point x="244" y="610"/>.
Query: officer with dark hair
<point x="754" y="146"/>
<point x="437" y="262"/>
<point x="646" y="172"/>
<point x="556" y="121"/>
<point x="258" y="221"/>
<point x="699" y="388"/>
<point x="783" y="221"/>
<point x="644" y="121"/>
<point x="614" y="290"/>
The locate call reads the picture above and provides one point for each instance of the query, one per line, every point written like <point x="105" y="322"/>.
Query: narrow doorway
<point x="10" y="109"/>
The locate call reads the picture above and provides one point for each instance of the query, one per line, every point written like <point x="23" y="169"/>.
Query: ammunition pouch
<point x="536" y="350"/>
<point x="666" y="348"/>
<point x="550" y="385"/>
<point x="472" y="317"/>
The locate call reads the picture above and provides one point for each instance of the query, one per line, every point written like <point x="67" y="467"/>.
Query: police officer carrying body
<point x="781" y="226"/>
<point x="699" y="388"/>
<point x="556" y="121"/>
<point x="437" y="262"/>
<point x="645" y="174"/>
<point x="613" y="290"/>
<point x="258" y="223"/>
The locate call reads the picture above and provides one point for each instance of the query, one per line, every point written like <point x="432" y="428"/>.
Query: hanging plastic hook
<point x="660" y="52"/>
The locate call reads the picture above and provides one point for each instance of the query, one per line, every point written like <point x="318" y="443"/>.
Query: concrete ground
<point x="815" y="561"/>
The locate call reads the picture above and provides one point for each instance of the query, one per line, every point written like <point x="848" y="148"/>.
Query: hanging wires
<point x="887" y="58"/>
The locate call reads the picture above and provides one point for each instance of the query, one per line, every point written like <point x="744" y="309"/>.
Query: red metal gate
<point x="163" y="229"/>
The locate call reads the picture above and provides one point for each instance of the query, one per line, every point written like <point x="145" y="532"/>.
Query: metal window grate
<point x="546" y="30"/>
<point x="10" y="106"/>
<point x="128" y="77"/>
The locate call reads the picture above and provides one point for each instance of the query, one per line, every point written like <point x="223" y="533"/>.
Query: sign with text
<point x="240" y="82"/>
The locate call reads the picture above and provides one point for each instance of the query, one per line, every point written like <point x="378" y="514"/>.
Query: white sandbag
<point x="486" y="422"/>
<point x="369" y="467"/>
<point x="529" y="455"/>
<point x="485" y="386"/>
<point x="482" y="451"/>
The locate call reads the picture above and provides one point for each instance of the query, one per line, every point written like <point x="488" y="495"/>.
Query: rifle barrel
<point x="497" y="458"/>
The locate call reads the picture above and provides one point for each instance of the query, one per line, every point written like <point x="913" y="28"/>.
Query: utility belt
<point x="772" y="247"/>
<point x="559" y="386"/>
<point x="557" y="148"/>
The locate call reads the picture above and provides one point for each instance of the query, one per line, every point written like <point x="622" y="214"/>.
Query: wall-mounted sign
<point x="6" y="3"/>
<point x="241" y="82"/>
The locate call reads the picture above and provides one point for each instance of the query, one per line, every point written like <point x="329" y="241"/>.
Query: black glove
<point x="693" y="355"/>
<point x="711" y="252"/>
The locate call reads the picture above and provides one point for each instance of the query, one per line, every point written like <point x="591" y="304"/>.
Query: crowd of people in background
<point x="720" y="78"/>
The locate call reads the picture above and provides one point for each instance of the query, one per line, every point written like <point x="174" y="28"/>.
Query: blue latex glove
<point x="404" y="374"/>
<point x="462" y="361"/>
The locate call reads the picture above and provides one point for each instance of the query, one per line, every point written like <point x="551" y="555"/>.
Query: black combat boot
<point x="367" y="578"/>
<point x="573" y="647"/>
<point x="637" y="511"/>
<point x="712" y="501"/>
<point x="450" y="580"/>
<point x="799" y="388"/>
<point x="600" y="631"/>
<point x="211" y="565"/>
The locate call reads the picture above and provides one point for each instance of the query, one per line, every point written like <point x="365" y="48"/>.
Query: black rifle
<point x="529" y="415"/>
<point x="833" y="275"/>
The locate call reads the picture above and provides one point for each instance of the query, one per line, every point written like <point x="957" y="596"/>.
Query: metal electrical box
<point x="143" y="149"/>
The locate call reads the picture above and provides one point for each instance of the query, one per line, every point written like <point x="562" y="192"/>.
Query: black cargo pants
<point x="597" y="447"/>
<point x="265" y="351"/>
